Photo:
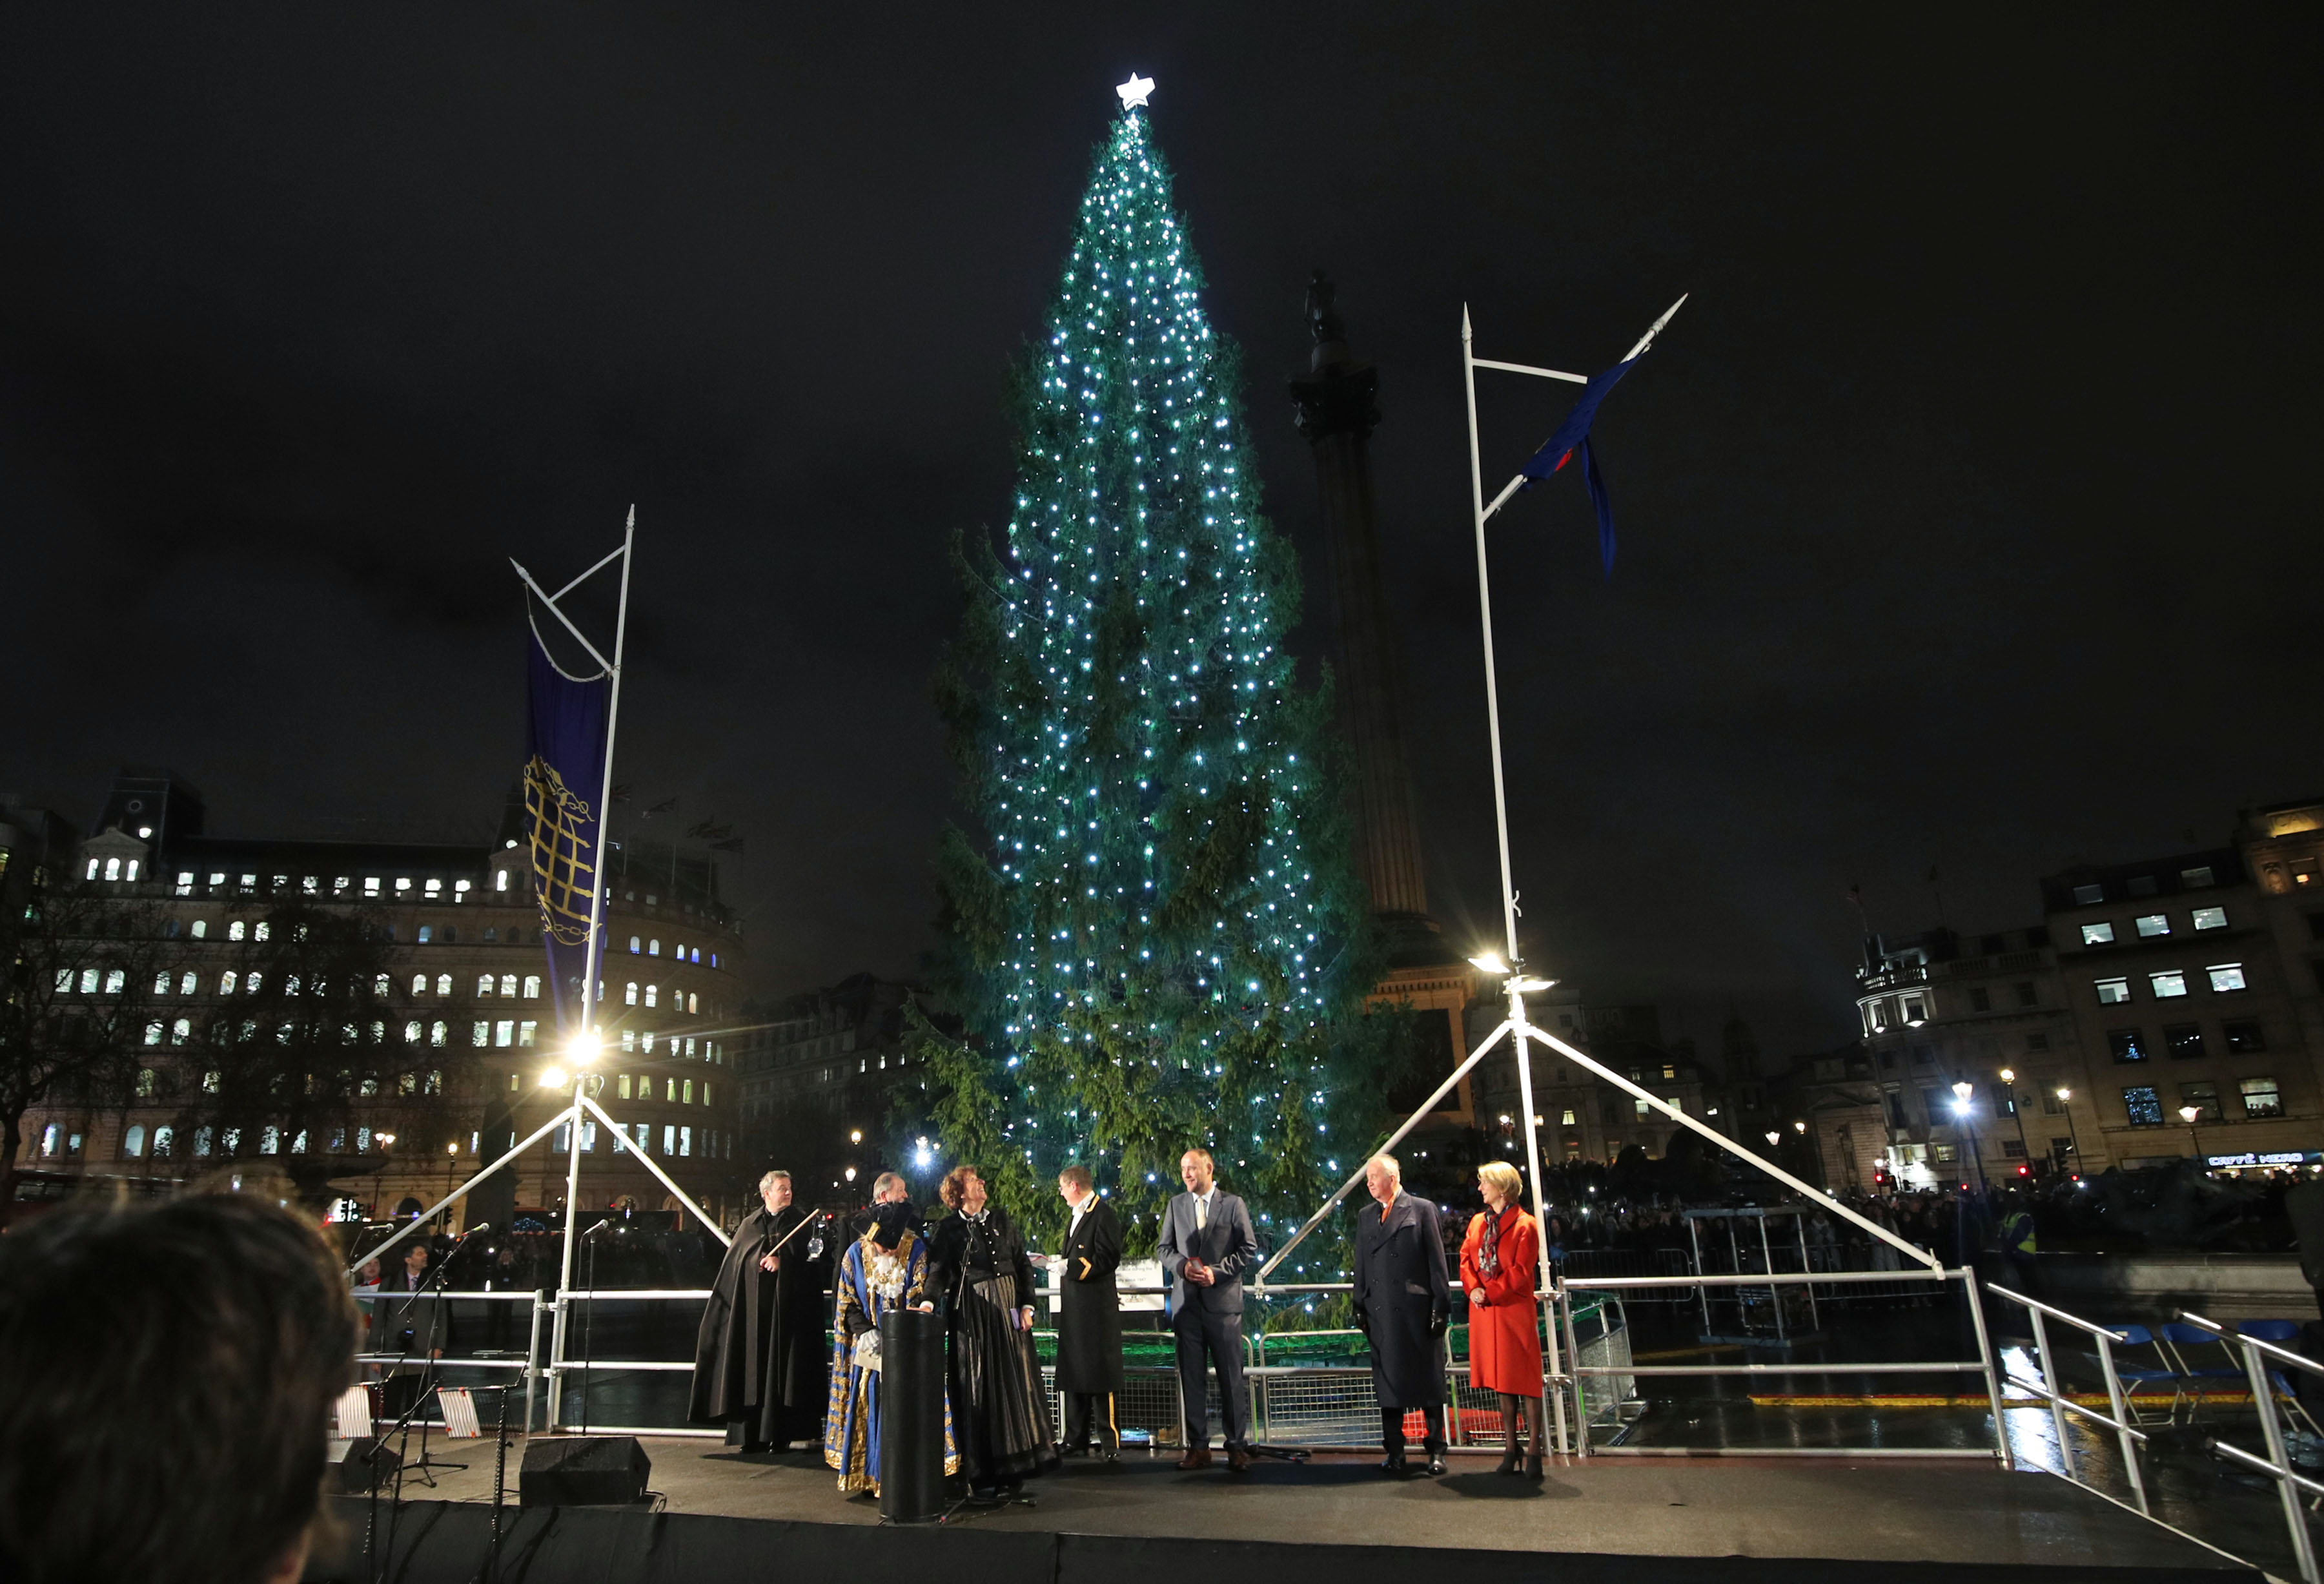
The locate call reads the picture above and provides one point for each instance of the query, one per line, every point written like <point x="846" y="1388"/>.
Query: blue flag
<point x="1573" y="435"/>
<point x="564" y="778"/>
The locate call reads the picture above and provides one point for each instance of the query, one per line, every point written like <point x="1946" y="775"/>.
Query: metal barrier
<point x="1982" y="1365"/>
<point x="2061" y="1404"/>
<point x="2277" y="1464"/>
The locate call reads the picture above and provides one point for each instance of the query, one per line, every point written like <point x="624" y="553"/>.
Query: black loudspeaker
<point x="356" y="1464"/>
<point x="583" y="1471"/>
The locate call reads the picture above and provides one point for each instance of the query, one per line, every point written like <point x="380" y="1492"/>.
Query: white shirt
<point x="1202" y="1206"/>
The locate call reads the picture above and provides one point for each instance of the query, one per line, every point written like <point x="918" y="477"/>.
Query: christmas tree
<point x="1156" y="932"/>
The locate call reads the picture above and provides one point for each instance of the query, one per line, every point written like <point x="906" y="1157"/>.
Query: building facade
<point x="460" y="1027"/>
<point x="822" y="1076"/>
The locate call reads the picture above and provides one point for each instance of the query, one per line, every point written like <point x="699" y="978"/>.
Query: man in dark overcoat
<point x="761" y="1364"/>
<point x="1089" y="1324"/>
<point x="1403" y="1303"/>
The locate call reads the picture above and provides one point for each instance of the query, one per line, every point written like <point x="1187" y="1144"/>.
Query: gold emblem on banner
<point x="564" y="868"/>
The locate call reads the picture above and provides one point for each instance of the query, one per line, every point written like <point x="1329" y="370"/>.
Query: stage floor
<point x="1600" y="1517"/>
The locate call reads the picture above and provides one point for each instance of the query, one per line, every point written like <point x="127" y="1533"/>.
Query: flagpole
<point x="590" y="967"/>
<point x="1543" y="1275"/>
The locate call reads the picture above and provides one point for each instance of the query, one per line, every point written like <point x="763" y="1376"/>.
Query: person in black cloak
<point x="1089" y="1327"/>
<point x="761" y="1364"/>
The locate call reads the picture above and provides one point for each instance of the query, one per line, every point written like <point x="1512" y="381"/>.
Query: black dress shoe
<point x="1436" y="1462"/>
<point x="1395" y="1465"/>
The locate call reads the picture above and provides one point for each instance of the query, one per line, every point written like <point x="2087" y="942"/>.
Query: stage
<point x="1610" y="1518"/>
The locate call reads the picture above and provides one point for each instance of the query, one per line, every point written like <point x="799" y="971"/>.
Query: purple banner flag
<point x="564" y="779"/>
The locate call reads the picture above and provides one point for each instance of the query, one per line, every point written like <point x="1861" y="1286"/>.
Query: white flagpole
<point x="590" y="967"/>
<point x="1543" y="1277"/>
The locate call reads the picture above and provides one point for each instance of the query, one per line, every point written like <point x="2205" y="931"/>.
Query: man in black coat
<point x="1403" y="1303"/>
<point x="761" y="1362"/>
<point x="1089" y="1325"/>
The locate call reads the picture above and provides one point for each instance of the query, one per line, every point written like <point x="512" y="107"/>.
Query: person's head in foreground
<point x="166" y="1375"/>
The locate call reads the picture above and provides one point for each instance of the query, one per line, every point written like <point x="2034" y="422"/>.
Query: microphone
<point x="479" y="1227"/>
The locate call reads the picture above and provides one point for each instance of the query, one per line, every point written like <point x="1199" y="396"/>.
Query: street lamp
<point x="2009" y="1081"/>
<point x="2187" y="1114"/>
<point x="379" y="1178"/>
<point x="1961" y="1092"/>
<point x="2073" y="1133"/>
<point x="1773" y="1138"/>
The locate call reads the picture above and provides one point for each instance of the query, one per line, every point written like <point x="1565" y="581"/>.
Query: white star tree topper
<point x="1135" y="92"/>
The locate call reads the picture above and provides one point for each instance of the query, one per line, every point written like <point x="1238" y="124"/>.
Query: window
<point x="527" y="1033"/>
<point x="2013" y="1148"/>
<point x="2198" y="876"/>
<point x="669" y="1138"/>
<point x="2128" y="1044"/>
<point x="2098" y="934"/>
<point x="113" y="868"/>
<point x="628" y="1038"/>
<point x="2142" y="1106"/>
<point x="693" y="1002"/>
<point x="443" y="984"/>
<point x="2210" y="918"/>
<point x="2152" y="925"/>
<point x="1567" y="1120"/>
<point x="427" y="933"/>
<point x="2142" y="886"/>
<point x="200" y="929"/>
<point x="2185" y="1042"/>
<point x="670" y="1090"/>
<point x="412" y="1032"/>
<point x="2113" y="991"/>
<point x="370" y="885"/>
<point x="685" y="1141"/>
<point x="2261" y="1098"/>
<point x="532" y="987"/>
<point x="503" y="1032"/>
<point x="419" y="984"/>
<point x="2086" y="894"/>
<point x="2051" y="1104"/>
<point x="685" y="1094"/>
<point x="437" y="1032"/>
<point x="2226" y="977"/>
<point x="226" y="983"/>
<point x="2204" y="1095"/>
<point x="2037" y="1042"/>
<point x="480" y="1035"/>
<point x="234" y="932"/>
<point x="181" y="1031"/>
<point x="508" y="984"/>
<point x="133" y="1143"/>
<point x="2168" y="984"/>
<point x="484" y="985"/>
<point x="651" y="990"/>
<point x="153" y="1033"/>
<point x="501" y="880"/>
<point x="1914" y="1009"/>
<point x="634" y="946"/>
<point x="1943" y="1153"/>
<point x="1980" y="999"/>
<point x="629" y="992"/>
<point x="623" y="1088"/>
<point x="402" y="884"/>
<point x="2243" y="1038"/>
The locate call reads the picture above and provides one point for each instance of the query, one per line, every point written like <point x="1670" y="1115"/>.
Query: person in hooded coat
<point x="761" y="1362"/>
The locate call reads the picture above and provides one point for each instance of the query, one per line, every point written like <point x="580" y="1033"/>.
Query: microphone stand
<point x="441" y="1328"/>
<point x="589" y="1321"/>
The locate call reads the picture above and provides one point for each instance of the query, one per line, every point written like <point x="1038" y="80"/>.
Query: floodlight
<point x="552" y="1078"/>
<point x="1962" y="1091"/>
<point x="1528" y="984"/>
<point x="1490" y="961"/>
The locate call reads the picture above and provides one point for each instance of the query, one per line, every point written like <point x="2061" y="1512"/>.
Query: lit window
<point x="2086" y="894"/>
<point x="370" y="885"/>
<point x="2152" y="925"/>
<point x="181" y="1031"/>
<point x="413" y="1032"/>
<point x="2198" y="876"/>
<point x="532" y="987"/>
<point x="2210" y="918"/>
<point x="154" y="1033"/>
<point x="312" y="885"/>
<point x="1568" y="1119"/>
<point x="226" y="983"/>
<point x="2112" y="992"/>
<point x="686" y="1093"/>
<point x="2098" y="934"/>
<point x="2128" y="1044"/>
<point x="434" y="888"/>
<point x="131" y="874"/>
<point x="427" y="933"/>
<point x="402" y="884"/>
<point x="653" y="948"/>
<point x="437" y="1032"/>
<point x="670" y="1090"/>
<point x="165" y="1140"/>
<point x="629" y="992"/>
<point x="503" y="1033"/>
<point x="113" y="868"/>
<point x="526" y="1032"/>
<point x="500" y="880"/>
<point x="419" y="984"/>
<point x="508" y="984"/>
<point x="459" y="891"/>
<point x="235" y="931"/>
<point x="443" y="984"/>
<point x="133" y="1143"/>
<point x="2261" y="1098"/>
<point x="2185" y="1042"/>
<point x="2143" y="1104"/>
<point x="685" y="1141"/>
<point x="2226" y="976"/>
<point x="628" y="1038"/>
<point x="201" y="929"/>
<point x="624" y="1086"/>
<point x="483" y="984"/>
<point x="2204" y="1095"/>
<point x="694" y="1003"/>
<point x="185" y="883"/>
<point x="480" y="1034"/>
<point x="650" y="992"/>
<point x="258" y="932"/>
<point x="93" y="867"/>
<point x="634" y="946"/>
<point x="2168" y="983"/>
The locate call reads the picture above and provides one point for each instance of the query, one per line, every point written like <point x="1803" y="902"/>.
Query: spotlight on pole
<point x="584" y="1048"/>
<point x="1528" y="985"/>
<point x="552" y="1078"/>
<point x="1490" y="961"/>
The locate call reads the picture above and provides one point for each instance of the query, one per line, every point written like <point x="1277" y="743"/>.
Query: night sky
<point x="1967" y="509"/>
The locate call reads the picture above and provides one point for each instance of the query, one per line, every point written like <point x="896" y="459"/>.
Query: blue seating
<point x="2185" y="1340"/>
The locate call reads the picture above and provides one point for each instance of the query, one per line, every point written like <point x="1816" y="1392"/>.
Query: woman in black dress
<point x="999" y="1410"/>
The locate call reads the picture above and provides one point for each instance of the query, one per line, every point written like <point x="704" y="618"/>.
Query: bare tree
<point x="76" y="1006"/>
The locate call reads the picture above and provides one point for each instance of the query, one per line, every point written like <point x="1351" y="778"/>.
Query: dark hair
<point x="955" y="1186"/>
<point x="1079" y="1176"/>
<point x="166" y="1373"/>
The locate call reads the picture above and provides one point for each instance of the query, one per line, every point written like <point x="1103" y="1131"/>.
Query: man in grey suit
<point x="1207" y="1243"/>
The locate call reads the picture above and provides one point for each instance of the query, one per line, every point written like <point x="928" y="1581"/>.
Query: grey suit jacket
<point x="1227" y="1244"/>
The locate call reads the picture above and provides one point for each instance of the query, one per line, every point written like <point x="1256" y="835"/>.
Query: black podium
<point x="911" y="1416"/>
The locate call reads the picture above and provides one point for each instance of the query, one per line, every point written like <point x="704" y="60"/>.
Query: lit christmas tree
<point x="1156" y="930"/>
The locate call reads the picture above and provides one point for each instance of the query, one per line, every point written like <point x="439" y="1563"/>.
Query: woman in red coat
<point x="1499" y="1260"/>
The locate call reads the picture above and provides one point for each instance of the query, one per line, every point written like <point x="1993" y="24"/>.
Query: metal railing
<point x="1982" y="1365"/>
<point x="2277" y="1465"/>
<point x="2060" y="1404"/>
